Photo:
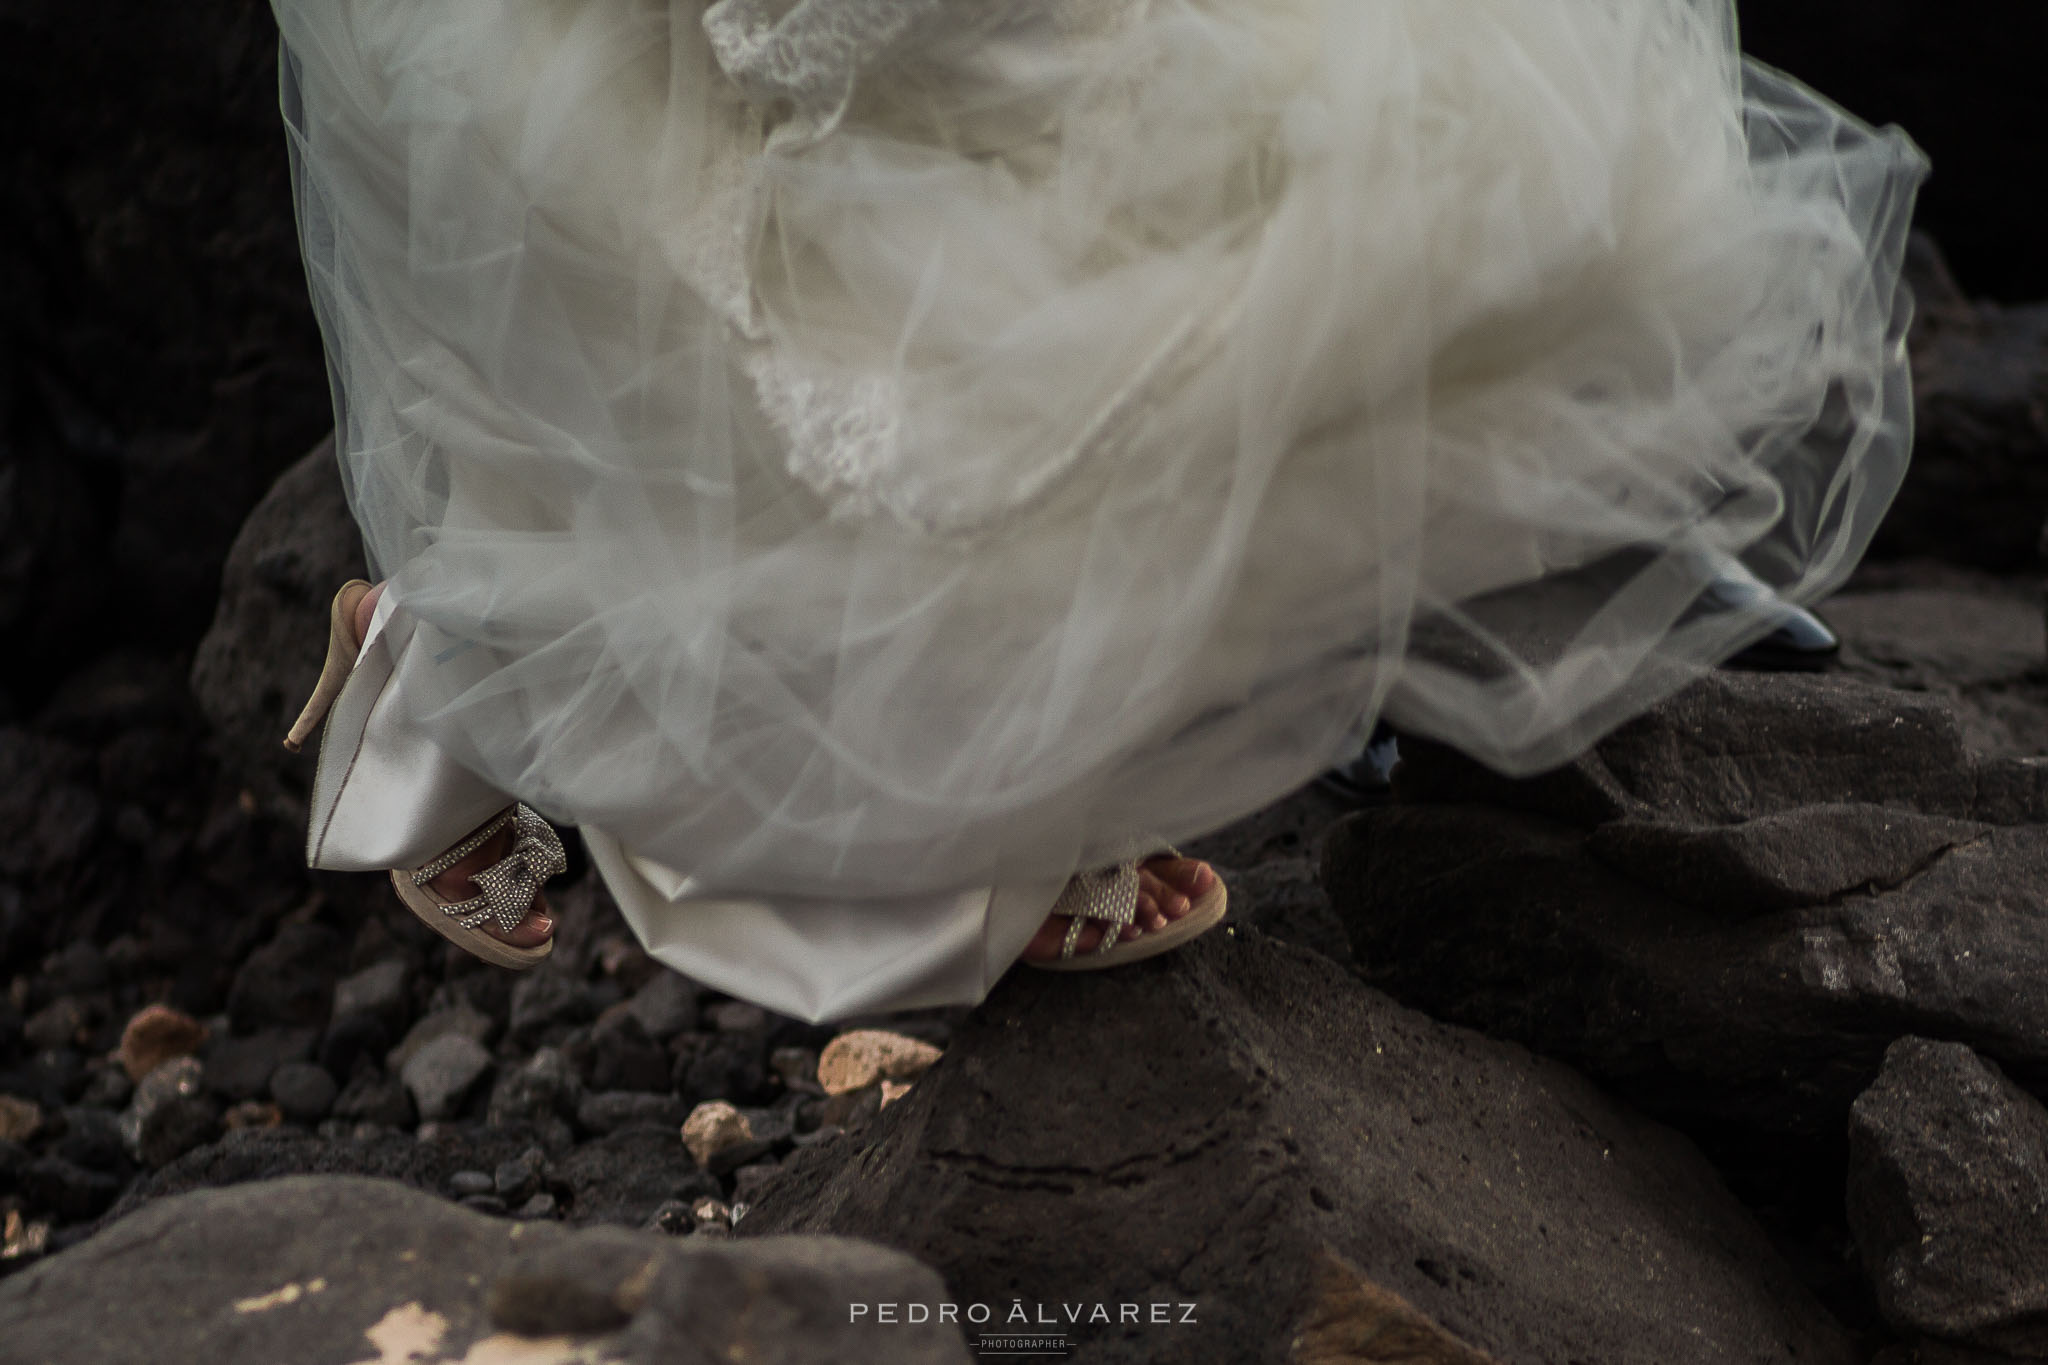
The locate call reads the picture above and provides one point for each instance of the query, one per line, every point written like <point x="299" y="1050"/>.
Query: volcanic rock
<point x="377" y="991"/>
<point x="93" y="1139"/>
<point x="257" y="663"/>
<point x="155" y="1035"/>
<point x="335" y="1268"/>
<point x="619" y="1054"/>
<point x="624" y="1176"/>
<point x="610" y="1110"/>
<point x="665" y="1006"/>
<point x="20" y="1119"/>
<point x="1247" y="1109"/>
<point x="288" y="982"/>
<point x="1976" y="492"/>
<point x="441" y="1076"/>
<point x="464" y="1019"/>
<point x="1948" y="1196"/>
<point x="545" y="1089"/>
<point x="64" y="1188"/>
<point x="373" y="1097"/>
<point x="1730" y="908"/>
<point x="240" y="1068"/>
<point x="715" y="1127"/>
<point x="170" y="1114"/>
<point x="863" y="1057"/>
<point x="304" y="1092"/>
<point x="267" y="1154"/>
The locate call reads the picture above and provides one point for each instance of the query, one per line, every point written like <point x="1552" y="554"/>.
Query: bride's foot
<point x="455" y="883"/>
<point x="1167" y="889"/>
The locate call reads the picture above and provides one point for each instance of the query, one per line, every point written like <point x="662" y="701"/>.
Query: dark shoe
<point x="1801" y="643"/>
<point x="1368" y="779"/>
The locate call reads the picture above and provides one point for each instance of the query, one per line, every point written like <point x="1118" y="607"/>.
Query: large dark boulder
<point x="333" y="1271"/>
<point x="1977" y="490"/>
<point x="1970" y="641"/>
<point x="1948" y="1185"/>
<point x="1244" y="1136"/>
<point x="1730" y="908"/>
<point x="258" y="662"/>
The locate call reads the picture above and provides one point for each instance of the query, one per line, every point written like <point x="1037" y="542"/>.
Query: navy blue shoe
<point x="1368" y="779"/>
<point x="1801" y="641"/>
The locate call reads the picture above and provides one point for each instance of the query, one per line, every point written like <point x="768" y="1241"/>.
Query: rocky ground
<point x="1727" y="1042"/>
<point x="1722" y="1043"/>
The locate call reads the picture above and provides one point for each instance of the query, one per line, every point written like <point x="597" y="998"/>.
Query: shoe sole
<point x="422" y="901"/>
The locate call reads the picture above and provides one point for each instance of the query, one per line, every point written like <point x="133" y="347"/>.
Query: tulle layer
<point x="853" y="448"/>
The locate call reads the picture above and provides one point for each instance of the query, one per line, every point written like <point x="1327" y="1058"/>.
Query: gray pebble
<point x="517" y="1179"/>
<point x="304" y="1092"/>
<point x="442" y="1075"/>
<point x="673" y="1217"/>
<point x="466" y="1183"/>
<point x="737" y="1016"/>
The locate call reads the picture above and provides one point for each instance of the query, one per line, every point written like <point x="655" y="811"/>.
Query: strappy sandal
<point x="506" y="890"/>
<point x="1109" y="897"/>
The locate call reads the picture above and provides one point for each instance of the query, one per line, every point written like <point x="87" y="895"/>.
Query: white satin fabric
<point x="384" y="797"/>
<point x="875" y="449"/>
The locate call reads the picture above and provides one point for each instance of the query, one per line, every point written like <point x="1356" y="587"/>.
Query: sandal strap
<point x="422" y="875"/>
<point x="1108" y="896"/>
<point x="507" y="888"/>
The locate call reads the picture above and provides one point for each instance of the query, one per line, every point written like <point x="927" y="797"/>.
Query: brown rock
<point x="20" y="1240"/>
<point x="713" y="1127"/>
<point x="1354" y="1320"/>
<point x="158" y="1034"/>
<point x="858" y="1059"/>
<point x="61" y="1023"/>
<point x="20" y="1119"/>
<point x="252" y="1114"/>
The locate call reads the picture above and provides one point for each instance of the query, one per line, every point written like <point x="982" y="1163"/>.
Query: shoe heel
<point x="342" y="649"/>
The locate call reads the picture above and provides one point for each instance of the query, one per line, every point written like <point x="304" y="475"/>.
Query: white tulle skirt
<point x="882" y="447"/>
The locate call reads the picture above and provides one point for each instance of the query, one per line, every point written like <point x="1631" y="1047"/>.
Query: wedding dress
<point x="850" y="454"/>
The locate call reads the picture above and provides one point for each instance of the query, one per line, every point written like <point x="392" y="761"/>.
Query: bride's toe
<point x="531" y="932"/>
<point x="1170" y="886"/>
